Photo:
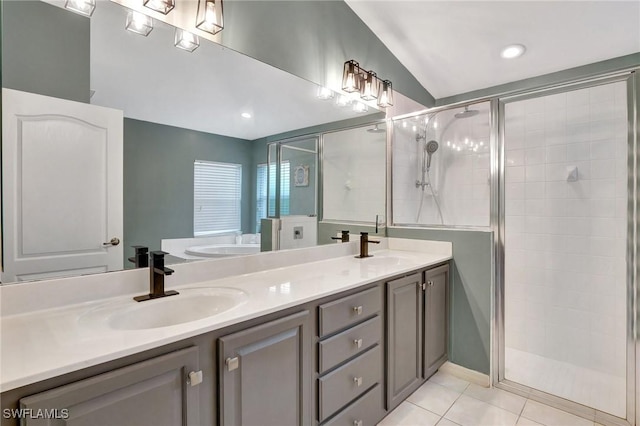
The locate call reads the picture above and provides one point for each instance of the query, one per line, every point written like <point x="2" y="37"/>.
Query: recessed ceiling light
<point x="512" y="51"/>
<point x="245" y="115"/>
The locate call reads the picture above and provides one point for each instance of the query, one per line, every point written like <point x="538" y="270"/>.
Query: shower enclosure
<point x="554" y="174"/>
<point x="441" y="168"/>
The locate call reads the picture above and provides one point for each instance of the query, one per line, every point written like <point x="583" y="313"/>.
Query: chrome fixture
<point x="210" y="17"/>
<point x="431" y="148"/>
<point x="364" y="245"/>
<point x="157" y="272"/>
<point x="162" y="6"/>
<point x="376" y="129"/>
<point x="83" y="7"/>
<point x="466" y="113"/>
<point x="186" y="41"/>
<point x="344" y="238"/>
<point x="141" y="258"/>
<point x="139" y="23"/>
<point x="356" y="79"/>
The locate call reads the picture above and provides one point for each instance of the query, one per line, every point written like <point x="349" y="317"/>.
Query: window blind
<point x="217" y="198"/>
<point x="265" y="181"/>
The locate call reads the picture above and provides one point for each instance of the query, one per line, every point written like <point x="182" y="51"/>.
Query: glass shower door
<point x="565" y="245"/>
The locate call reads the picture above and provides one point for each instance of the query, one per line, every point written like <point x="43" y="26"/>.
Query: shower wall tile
<point x="565" y="264"/>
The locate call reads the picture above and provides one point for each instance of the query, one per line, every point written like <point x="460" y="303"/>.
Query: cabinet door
<point x="436" y="318"/>
<point x="153" y="392"/>
<point x="265" y="374"/>
<point x="404" y="337"/>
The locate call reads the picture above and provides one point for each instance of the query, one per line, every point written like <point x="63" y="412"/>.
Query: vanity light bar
<point x="139" y="23"/>
<point x="356" y="79"/>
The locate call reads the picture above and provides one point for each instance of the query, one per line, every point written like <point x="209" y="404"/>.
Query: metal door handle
<point x="357" y="381"/>
<point x="358" y="343"/>
<point x="114" y="242"/>
<point x="357" y="423"/>
<point x="357" y="310"/>
<point x="232" y="363"/>
<point x="194" y="378"/>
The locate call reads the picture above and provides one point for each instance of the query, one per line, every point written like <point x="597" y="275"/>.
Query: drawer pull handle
<point x="358" y="343"/>
<point x="194" y="378"/>
<point x="357" y="310"/>
<point x="357" y="381"/>
<point x="357" y="423"/>
<point x="232" y="363"/>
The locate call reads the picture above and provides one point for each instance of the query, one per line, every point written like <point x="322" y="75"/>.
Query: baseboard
<point x="464" y="373"/>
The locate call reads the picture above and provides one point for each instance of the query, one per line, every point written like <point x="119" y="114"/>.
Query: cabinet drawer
<point x="349" y="310"/>
<point x="341" y="386"/>
<point x="366" y="411"/>
<point x="350" y="342"/>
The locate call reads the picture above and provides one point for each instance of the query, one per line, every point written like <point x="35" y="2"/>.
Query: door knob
<point x="114" y="242"/>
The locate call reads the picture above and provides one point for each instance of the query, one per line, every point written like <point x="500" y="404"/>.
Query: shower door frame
<point x="632" y="78"/>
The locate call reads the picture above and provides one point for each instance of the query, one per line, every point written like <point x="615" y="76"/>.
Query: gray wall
<point x="312" y="39"/>
<point x="471" y="295"/>
<point x="45" y="50"/>
<point x="158" y="179"/>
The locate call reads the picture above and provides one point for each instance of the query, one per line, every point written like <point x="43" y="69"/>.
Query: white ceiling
<point x="207" y="90"/>
<point x="453" y="47"/>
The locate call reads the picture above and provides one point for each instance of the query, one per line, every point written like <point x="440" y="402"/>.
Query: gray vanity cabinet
<point x="417" y="329"/>
<point x="265" y="374"/>
<point x="404" y="337"/>
<point x="436" y="322"/>
<point x="154" y="392"/>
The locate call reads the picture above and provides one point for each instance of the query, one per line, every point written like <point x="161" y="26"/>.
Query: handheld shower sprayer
<point x="431" y="148"/>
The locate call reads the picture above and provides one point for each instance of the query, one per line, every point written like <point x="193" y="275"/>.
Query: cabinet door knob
<point x="357" y="381"/>
<point x="357" y="423"/>
<point x="232" y="363"/>
<point x="430" y="283"/>
<point x="194" y="378"/>
<point x="358" y="343"/>
<point x="357" y="310"/>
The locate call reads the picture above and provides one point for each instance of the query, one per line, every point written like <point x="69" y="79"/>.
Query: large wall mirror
<point x="189" y="118"/>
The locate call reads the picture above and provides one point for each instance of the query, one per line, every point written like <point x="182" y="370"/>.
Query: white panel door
<point x="62" y="187"/>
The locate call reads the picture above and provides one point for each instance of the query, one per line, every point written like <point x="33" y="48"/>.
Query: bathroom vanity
<point x="336" y="341"/>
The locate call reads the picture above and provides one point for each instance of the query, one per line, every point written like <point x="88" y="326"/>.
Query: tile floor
<point x="445" y="400"/>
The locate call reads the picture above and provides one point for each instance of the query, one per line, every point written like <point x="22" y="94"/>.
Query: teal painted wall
<point x="45" y="50"/>
<point x="471" y="293"/>
<point x="313" y="39"/>
<point x="158" y="179"/>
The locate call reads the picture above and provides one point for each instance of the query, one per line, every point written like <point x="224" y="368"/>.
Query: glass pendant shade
<point x="369" y="86"/>
<point x="162" y="6"/>
<point x="210" y="17"/>
<point x="139" y="23"/>
<point x="83" y="7"/>
<point x="324" y="93"/>
<point x="186" y="41"/>
<point x="351" y="77"/>
<point x="360" y="107"/>
<point x="343" y="101"/>
<point x="385" y="94"/>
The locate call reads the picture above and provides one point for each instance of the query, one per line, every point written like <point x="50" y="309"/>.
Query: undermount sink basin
<point x="191" y="304"/>
<point x="380" y="261"/>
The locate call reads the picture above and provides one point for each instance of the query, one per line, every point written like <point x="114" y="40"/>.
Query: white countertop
<point x="45" y="343"/>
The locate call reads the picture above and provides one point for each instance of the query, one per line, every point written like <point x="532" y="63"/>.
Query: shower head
<point x="376" y="129"/>
<point x="431" y="147"/>
<point x="466" y="113"/>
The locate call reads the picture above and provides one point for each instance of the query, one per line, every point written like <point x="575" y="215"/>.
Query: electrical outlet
<point x="297" y="232"/>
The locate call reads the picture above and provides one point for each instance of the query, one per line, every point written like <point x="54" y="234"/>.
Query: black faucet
<point x="344" y="238"/>
<point x="141" y="259"/>
<point x="364" y="245"/>
<point x="157" y="271"/>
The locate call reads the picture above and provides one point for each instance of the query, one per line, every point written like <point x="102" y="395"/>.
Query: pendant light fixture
<point x="210" y="17"/>
<point x="351" y="77"/>
<point x="324" y="93"/>
<point x="83" y="7"/>
<point x="369" y="86"/>
<point x="385" y="94"/>
<point x="162" y="6"/>
<point x="139" y="23"/>
<point x="186" y="41"/>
